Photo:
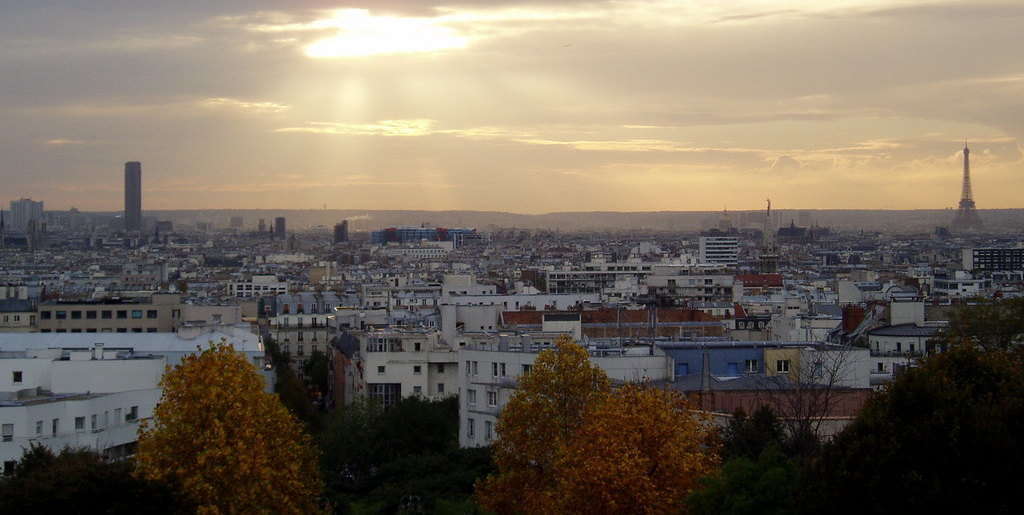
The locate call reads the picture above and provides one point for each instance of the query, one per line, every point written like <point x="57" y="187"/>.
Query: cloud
<point x="65" y="141"/>
<point x="784" y="164"/>
<point x="242" y="105"/>
<point x="414" y="127"/>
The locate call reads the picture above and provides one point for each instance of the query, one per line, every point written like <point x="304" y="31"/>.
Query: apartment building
<point x="257" y="286"/>
<point x="159" y="313"/>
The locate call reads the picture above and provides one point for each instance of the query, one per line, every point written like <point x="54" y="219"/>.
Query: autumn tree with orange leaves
<point x="231" y="447"/>
<point x="567" y="443"/>
<point x="540" y="418"/>
<point x="640" y="450"/>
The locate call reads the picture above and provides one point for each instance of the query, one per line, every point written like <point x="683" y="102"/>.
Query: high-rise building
<point x="966" y="217"/>
<point x="279" y="227"/>
<point x="133" y="196"/>
<point x="341" y="232"/>
<point x="23" y="212"/>
<point x="719" y="248"/>
<point x="236" y="222"/>
<point x="262" y="225"/>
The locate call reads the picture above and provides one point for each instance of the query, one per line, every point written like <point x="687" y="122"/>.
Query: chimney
<point x="97" y="351"/>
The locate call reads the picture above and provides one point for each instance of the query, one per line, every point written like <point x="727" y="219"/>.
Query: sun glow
<point x="361" y="34"/>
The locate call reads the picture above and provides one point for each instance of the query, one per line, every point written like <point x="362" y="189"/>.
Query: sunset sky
<point x="535" y="106"/>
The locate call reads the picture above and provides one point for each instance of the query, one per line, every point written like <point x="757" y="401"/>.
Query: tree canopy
<point x="231" y="447"/>
<point x="944" y="437"/>
<point x="82" y="481"/>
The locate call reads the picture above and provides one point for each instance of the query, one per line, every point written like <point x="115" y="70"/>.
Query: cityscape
<point x="582" y="305"/>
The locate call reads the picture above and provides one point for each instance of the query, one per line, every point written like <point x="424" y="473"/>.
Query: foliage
<point x="749" y="436"/>
<point x="377" y="460"/>
<point x="539" y="420"/>
<point x="990" y="324"/>
<point x="745" y="486"/>
<point x="230" y="446"/>
<point x="316" y="371"/>
<point x="82" y="481"/>
<point x="641" y="448"/>
<point x="945" y="437"/>
<point x="291" y="390"/>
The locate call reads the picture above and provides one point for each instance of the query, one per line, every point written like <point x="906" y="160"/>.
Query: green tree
<point x="995" y="324"/>
<point x="82" y="481"/>
<point x="316" y="370"/>
<point x="745" y="486"/>
<point x="749" y="436"/>
<point x="291" y="390"/>
<point x="231" y="447"/>
<point x="944" y="437"/>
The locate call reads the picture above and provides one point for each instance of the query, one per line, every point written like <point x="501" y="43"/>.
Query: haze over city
<point x="527" y="107"/>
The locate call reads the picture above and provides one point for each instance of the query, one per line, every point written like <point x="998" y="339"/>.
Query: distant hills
<point x="897" y="221"/>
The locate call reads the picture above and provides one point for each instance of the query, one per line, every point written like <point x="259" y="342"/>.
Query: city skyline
<point x="525" y="107"/>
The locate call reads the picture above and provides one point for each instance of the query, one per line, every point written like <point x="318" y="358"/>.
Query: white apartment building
<point x="489" y="372"/>
<point x="257" y="286"/>
<point x="720" y="250"/>
<point x="90" y="398"/>
<point x="399" y="363"/>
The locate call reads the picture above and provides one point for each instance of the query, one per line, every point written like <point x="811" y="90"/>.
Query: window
<point x="39" y="427"/>
<point x="76" y="315"/>
<point x="117" y="416"/>
<point x="476" y="367"/>
<point x="45" y="315"/>
<point x="16" y="377"/>
<point x="494" y="369"/>
<point x="380" y="370"/>
<point x="136" y="314"/>
<point x="782" y="366"/>
<point x="440" y="368"/>
<point x="136" y="329"/>
<point x="416" y="346"/>
<point x="106" y="314"/>
<point x="8" y="432"/>
<point x="122" y="329"/>
<point x="151" y="313"/>
<point x="91" y="315"/>
<point x="492" y="399"/>
<point x="470" y="428"/>
<point x="440" y="387"/>
<point x="416" y="369"/>
<point x="61" y="315"/>
<point x="899" y="346"/>
<point x="527" y="368"/>
<point x="488" y="430"/>
<point x="79" y="423"/>
<point x="92" y="422"/>
<point x="9" y="467"/>
<point x="502" y="370"/>
<point x="881" y="367"/>
<point x="471" y="397"/>
<point x="133" y="414"/>
<point x="750" y="366"/>
<point x="122" y="314"/>
<point x="417" y="390"/>
<point x="387" y="394"/>
<point x="150" y="329"/>
<point x="55" y="426"/>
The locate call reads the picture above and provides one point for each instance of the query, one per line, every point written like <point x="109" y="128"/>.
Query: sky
<point x="522" y="106"/>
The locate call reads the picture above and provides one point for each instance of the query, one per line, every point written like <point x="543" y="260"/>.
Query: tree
<point x="316" y="371"/>
<point x="290" y="389"/>
<point x="407" y="455"/>
<point x="641" y="449"/>
<point x="535" y="425"/>
<point x="82" y="481"/>
<point x="749" y="486"/>
<point x="749" y="436"/>
<point x="231" y="447"/>
<point x="990" y="324"/>
<point x="944" y="437"/>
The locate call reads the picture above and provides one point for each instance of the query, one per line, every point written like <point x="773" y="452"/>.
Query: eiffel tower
<point x="966" y="218"/>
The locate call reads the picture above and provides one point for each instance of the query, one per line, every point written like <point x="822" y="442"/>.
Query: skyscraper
<point x="279" y="227"/>
<point x="341" y="232"/>
<point x="23" y="212"/>
<point x="133" y="196"/>
<point x="966" y="217"/>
